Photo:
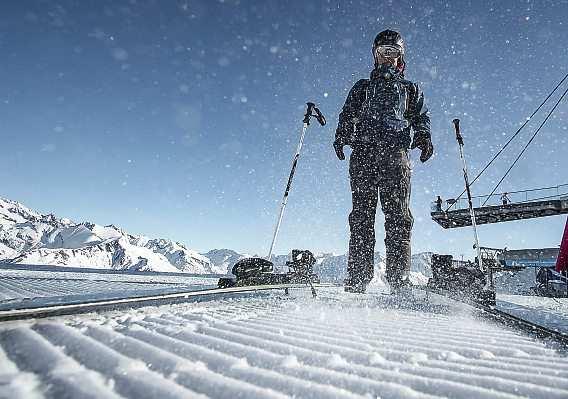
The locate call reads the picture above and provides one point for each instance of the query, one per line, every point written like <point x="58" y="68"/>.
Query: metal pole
<point x="311" y="110"/>
<point x="459" y="138"/>
<point x="287" y="191"/>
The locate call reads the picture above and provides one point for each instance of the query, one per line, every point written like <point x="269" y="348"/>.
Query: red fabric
<point x="562" y="261"/>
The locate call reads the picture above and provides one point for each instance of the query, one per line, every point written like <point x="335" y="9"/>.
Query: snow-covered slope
<point x="337" y="346"/>
<point x="28" y="237"/>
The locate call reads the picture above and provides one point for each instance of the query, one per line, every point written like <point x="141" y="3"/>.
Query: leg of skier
<point x="394" y="188"/>
<point x="364" y="189"/>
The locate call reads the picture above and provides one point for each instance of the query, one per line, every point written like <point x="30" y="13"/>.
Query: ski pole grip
<point x="459" y="137"/>
<point x="310" y="112"/>
<point x="319" y="116"/>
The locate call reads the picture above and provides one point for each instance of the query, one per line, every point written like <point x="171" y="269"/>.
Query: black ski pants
<point x="384" y="172"/>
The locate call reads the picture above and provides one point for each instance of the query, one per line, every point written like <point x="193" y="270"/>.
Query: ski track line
<point x="360" y="356"/>
<point x="132" y="379"/>
<point x="382" y="343"/>
<point x="20" y="290"/>
<point x="395" y="316"/>
<point x="480" y="353"/>
<point x="496" y="339"/>
<point x="406" y="335"/>
<point x="61" y="377"/>
<point x="200" y="373"/>
<point x="240" y="368"/>
<point x="244" y="343"/>
<point x="8" y="292"/>
<point x="422" y="327"/>
<point x="22" y="287"/>
<point x="472" y="351"/>
<point x="289" y="366"/>
<point x="16" y="384"/>
<point x="276" y="347"/>
<point x="352" y="337"/>
<point x="429" y="357"/>
<point x="394" y="328"/>
<point x="519" y="367"/>
<point x="424" y="331"/>
<point x="399" y="352"/>
<point x="518" y="354"/>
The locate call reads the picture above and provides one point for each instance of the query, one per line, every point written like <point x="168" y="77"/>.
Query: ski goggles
<point x="388" y="51"/>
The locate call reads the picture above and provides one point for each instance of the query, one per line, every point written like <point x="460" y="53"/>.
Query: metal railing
<point x="505" y="198"/>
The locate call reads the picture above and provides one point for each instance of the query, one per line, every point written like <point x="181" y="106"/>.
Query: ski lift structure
<point x="504" y="207"/>
<point x="549" y="278"/>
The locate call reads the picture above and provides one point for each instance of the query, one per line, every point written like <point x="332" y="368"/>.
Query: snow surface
<point x="548" y="312"/>
<point x="26" y="285"/>
<point x="273" y="346"/>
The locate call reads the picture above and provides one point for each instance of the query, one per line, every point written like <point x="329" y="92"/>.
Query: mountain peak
<point x="28" y="237"/>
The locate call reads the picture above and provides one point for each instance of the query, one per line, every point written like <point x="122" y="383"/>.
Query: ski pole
<point x="459" y="138"/>
<point x="312" y="110"/>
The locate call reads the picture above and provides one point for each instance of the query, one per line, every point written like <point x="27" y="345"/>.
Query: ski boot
<point x="402" y="288"/>
<point x="355" y="288"/>
<point x="355" y="285"/>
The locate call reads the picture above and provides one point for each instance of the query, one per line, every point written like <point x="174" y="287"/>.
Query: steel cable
<point x="511" y="139"/>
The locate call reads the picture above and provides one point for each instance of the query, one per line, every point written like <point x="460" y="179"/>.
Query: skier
<point x="376" y="122"/>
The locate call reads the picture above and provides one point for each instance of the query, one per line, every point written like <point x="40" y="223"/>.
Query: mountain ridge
<point x="29" y="237"/>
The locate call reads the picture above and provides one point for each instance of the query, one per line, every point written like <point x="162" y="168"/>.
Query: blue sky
<point x="179" y="119"/>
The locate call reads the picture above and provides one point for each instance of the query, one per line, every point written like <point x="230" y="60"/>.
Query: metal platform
<point x="501" y="213"/>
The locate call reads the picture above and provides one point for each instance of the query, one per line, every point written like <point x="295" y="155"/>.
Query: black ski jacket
<point x="382" y="111"/>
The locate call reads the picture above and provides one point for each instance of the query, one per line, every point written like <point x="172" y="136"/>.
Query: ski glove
<point x="338" y="147"/>
<point x="424" y="143"/>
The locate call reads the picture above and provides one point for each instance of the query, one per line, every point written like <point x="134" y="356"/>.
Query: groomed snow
<point x="32" y="285"/>
<point x="548" y="312"/>
<point x="276" y="346"/>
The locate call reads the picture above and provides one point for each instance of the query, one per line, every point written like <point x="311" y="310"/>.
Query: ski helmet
<point x="390" y="38"/>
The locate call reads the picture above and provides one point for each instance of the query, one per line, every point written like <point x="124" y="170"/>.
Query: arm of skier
<point x="348" y="117"/>
<point x="417" y="114"/>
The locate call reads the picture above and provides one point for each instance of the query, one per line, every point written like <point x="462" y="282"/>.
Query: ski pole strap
<point x="459" y="137"/>
<point x="309" y="113"/>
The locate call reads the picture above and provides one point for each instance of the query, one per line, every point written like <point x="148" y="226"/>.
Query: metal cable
<point x="526" y="146"/>
<point x="511" y="139"/>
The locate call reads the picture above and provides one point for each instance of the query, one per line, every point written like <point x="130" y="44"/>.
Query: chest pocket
<point x="385" y="100"/>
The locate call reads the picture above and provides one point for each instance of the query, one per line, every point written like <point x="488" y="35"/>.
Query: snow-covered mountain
<point x="224" y="259"/>
<point x="29" y="237"/>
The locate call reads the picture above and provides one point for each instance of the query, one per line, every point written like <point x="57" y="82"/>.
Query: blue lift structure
<point x="503" y="207"/>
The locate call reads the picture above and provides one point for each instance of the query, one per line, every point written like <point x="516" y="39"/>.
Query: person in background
<point x="439" y="204"/>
